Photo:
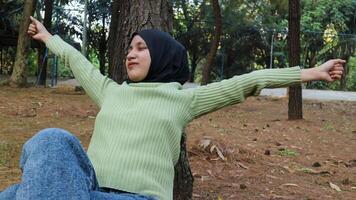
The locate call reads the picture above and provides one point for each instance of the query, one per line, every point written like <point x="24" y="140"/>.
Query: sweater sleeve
<point x="236" y="89"/>
<point x="89" y="77"/>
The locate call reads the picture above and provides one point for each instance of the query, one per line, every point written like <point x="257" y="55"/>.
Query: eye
<point x="129" y="49"/>
<point x="142" y="48"/>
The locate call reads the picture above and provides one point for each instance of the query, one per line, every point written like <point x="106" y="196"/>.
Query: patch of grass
<point x="329" y="127"/>
<point x="4" y="153"/>
<point x="288" y="152"/>
<point x="306" y="170"/>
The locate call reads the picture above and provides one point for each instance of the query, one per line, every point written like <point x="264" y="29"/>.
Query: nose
<point x="131" y="55"/>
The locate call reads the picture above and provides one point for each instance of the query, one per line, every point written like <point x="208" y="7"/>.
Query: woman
<point x="136" y="139"/>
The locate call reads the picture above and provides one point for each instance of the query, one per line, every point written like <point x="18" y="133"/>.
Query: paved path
<point x="314" y="94"/>
<point x="280" y="92"/>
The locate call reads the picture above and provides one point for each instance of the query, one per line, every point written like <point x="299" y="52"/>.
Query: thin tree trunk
<point x="346" y="52"/>
<point x="19" y="76"/>
<point x="85" y="30"/>
<point x="102" y="47"/>
<point x="295" y="109"/>
<point x="214" y="44"/>
<point x="193" y="62"/>
<point x="42" y="60"/>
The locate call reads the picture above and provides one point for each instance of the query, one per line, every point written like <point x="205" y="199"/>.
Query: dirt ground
<point x="245" y="151"/>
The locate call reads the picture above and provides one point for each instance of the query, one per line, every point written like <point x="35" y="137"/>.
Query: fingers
<point x="34" y="20"/>
<point x="336" y="77"/>
<point x="336" y="73"/>
<point x="339" y="61"/>
<point x="32" y="30"/>
<point x="337" y="68"/>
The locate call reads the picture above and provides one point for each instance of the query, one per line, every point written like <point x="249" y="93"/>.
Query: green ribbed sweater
<point x="137" y="132"/>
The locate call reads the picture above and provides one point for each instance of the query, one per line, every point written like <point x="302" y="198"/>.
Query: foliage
<point x="9" y="16"/>
<point x="351" y="79"/>
<point x="191" y="29"/>
<point x="288" y="152"/>
<point x="351" y="84"/>
<point x="99" y="18"/>
<point x="328" y="29"/>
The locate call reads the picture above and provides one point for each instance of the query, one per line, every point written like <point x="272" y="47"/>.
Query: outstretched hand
<point x="332" y="70"/>
<point x="329" y="71"/>
<point x="37" y="31"/>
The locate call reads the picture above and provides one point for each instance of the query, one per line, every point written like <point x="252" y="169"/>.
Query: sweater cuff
<point x="55" y="44"/>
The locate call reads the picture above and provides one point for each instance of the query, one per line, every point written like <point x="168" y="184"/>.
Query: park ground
<point x="245" y="151"/>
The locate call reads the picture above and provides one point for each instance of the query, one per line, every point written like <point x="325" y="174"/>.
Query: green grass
<point x="288" y="152"/>
<point x="306" y="170"/>
<point x="329" y="126"/>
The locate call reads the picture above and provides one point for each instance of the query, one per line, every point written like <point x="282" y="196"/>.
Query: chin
<point x="135" y="79"/>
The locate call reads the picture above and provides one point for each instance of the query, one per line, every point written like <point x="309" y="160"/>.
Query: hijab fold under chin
<point x="169" y="62"/>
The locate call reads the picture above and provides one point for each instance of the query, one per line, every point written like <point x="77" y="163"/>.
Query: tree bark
<point x="295" y="105"/>
<point x="214" y="44"/>
<point x="194" y="64"/>
<point x="183" y="179"/>
<point x="129" y="16"/>
<point x="346" y="51"/>
<point x="102" y="47"/>
<point x="42" y="60"/>
<point x="19" y="76"/>
<point x="85" y="30"/>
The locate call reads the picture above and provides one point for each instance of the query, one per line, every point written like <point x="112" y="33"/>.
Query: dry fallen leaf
<point x="218" y="151"/>
<point x="240" y="165"/>
<point x="290" y="184"/>
<point x="204" y="143"/>
<point x="335" y="187"/>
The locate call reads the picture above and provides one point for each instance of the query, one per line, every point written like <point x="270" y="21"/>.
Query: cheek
<point x="147" y="60"/>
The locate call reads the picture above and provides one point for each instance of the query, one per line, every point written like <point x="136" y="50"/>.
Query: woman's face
<point x="138" y="59"/>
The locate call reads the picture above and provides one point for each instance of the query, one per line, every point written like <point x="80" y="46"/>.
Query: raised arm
<point x="236" y="89"/>
<point x="93" y="82"/>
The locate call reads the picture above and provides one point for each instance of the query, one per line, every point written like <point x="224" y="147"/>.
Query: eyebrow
<point x="138" y="44"/>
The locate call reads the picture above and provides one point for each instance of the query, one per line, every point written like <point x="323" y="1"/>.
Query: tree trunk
<point x="183" y="179"/>
<point x="42" y="60"/>
<point x="193" y="62"/>
<point x="102" y="47"/>
<point x="214" y="44"/>
<point x="129" y="16"/>
<point x="85" y="30"/>
<point x="19" y="76"/>
<point x="295" y="109"/>
<point x="346" y="51"/>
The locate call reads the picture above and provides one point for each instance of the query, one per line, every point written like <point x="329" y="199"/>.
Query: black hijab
<point x="169" y="62"/>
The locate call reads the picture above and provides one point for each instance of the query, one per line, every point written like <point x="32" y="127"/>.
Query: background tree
<point x="214" y="43"/>
<point x="42" y="59"/>
<point x="295" y="110"/>
<point x="19" y="76"/>
<point x="191" y="30"/>
<point x="98" y="20"/>
<point x="10" y="12"/>
<point x="330" y="27"/>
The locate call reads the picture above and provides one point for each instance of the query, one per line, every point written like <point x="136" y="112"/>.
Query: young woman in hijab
<point x="136" y="139"/>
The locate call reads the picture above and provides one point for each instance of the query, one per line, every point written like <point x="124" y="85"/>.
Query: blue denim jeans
<point x="56" y="167"/>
